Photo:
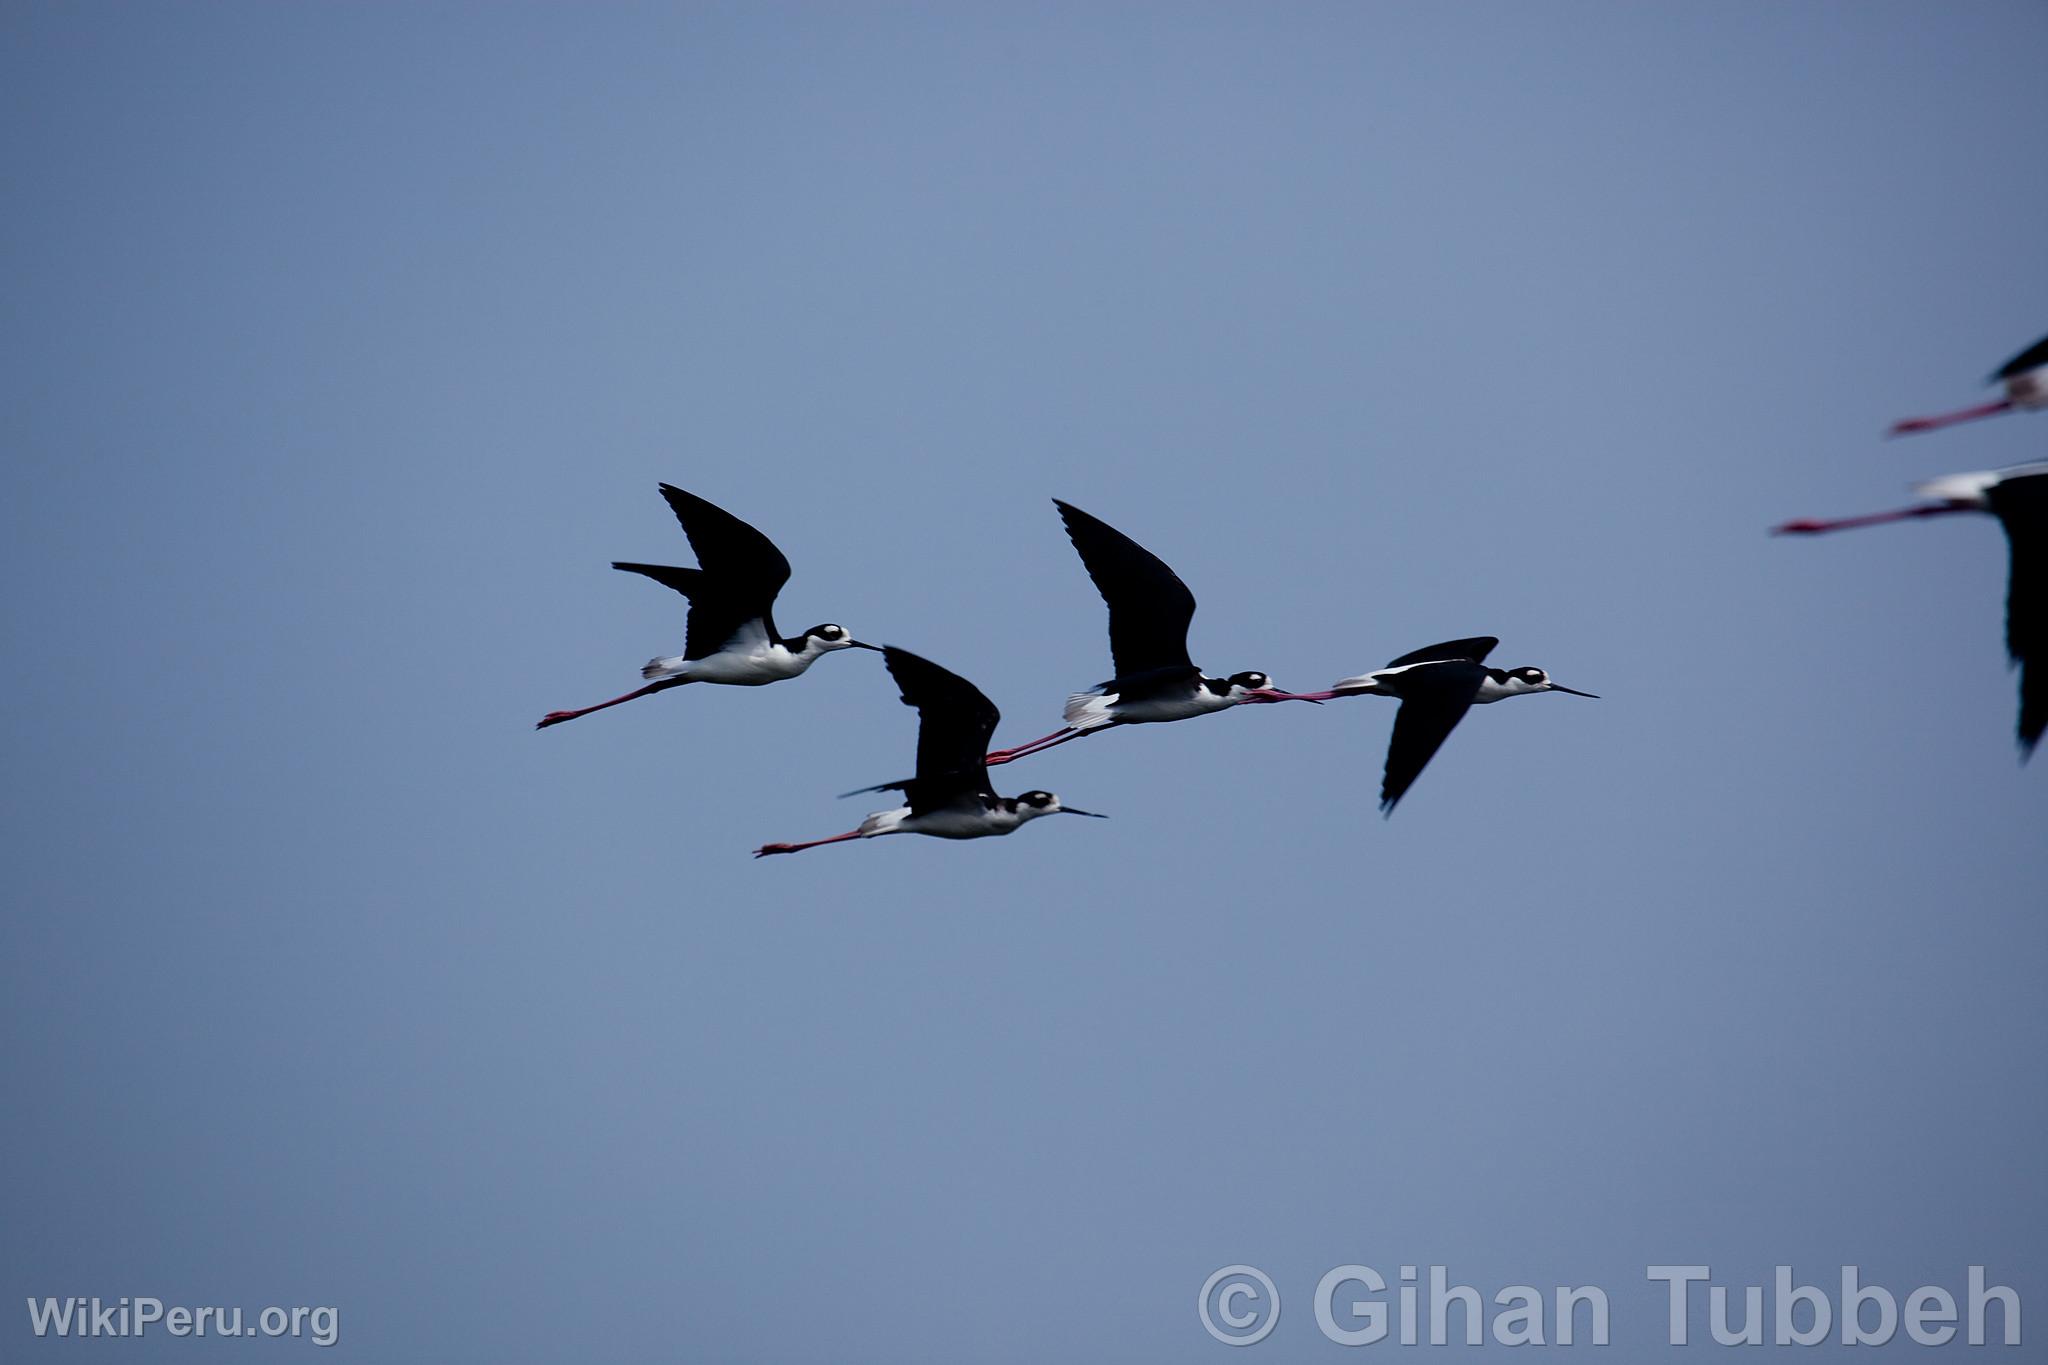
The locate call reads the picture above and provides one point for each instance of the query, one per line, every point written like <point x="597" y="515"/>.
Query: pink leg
<point x="1807" y="526"/>
<point x="1269" y="695"/>
<point x="557" y="717"/>
<point x="766" y="849"/>
<point x="1038" y="746"/>
<point x="998" y="757"/>
<point x="1949" y="419"/>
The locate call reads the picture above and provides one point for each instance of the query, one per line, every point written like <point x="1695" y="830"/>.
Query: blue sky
<point x="347" y="345"/>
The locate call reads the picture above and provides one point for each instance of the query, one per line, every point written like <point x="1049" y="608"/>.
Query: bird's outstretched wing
<point x="2021" y="506"/>
<point x="2033" y="358"/>
<point x="688" y="582"/>
<point x="1475" y="650"/>
<point x="741" y="572"/>
<point x="1149" y="607"/>
<point x="726" y="546"/>
<point x="955" y="724"/>
<point x="717" y="617"/>
<point x="1431" y="708"/>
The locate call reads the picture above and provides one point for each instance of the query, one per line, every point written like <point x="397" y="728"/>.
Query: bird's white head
<point x="1248" y="686"/>
<point x="1518" y="681"/>
<point x="1032" y="804"/>
<point x="826" y="638"/>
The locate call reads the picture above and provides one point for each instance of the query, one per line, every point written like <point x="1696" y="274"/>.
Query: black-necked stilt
<point x="2025" y="377"/>
<point x="1435" y="687"/>
<point x="1149" y="612"/>
<point x="731" y="637"/>
<point x="951" y="796"/>
<point x="2018" y="497"/>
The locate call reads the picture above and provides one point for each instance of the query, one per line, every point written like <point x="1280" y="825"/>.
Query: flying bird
<point x="1149" y="612"/>
<point x="2025" y="377"/>
<point x="731" y="636"/>
<point x="951" y="796"/>
<point x="1436" y="686"/>
<point x="2018" y="497"/>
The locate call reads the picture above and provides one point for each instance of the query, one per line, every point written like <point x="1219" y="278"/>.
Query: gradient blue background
<point x="345" y="345"/>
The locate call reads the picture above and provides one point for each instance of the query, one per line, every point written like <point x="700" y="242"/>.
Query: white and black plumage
<point x="951" y="796"/>
<point x="2018" y="497"/>
<point x="2025" y="378"/>
<point x="1436" y="686"/>
<point x="1149" y="612"/>
<point x="731" y="634"/>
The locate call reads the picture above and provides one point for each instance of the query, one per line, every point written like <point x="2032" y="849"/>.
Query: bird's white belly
<point x="1150" y="710"/>
<point x="748" y="667"/>
<point x="959" y="824"/>
<point x="1158" y="709"/>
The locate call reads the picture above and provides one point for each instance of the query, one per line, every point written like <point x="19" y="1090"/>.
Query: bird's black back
<point x="739" y="576"/>
<point x="1434" y="697"/>
<point x="1149" y="607"/>
<point x="955" y="724"/>
<point x="2021" y="506"/>
<point x="1155" y="683"/>
<point x="1475" y="649"/>
<point x="2033" y="358"/>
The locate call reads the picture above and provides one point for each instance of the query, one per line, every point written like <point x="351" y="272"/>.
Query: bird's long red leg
<point x="1808" y="526"/>
<point x="997" y="757"/>
<point x="1949" y="419"/>
<point x="557" y="717"/>
<point x="766" y="849"/>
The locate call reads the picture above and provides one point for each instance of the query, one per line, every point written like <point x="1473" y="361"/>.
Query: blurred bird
<point x="2018" y="497"/>
<point x="2025" y="377"/>
<point x="731" y="637"/>
<point x="1149" y="612"/>
<point x="951" y="796"/>
<point x="1436" y="686"/>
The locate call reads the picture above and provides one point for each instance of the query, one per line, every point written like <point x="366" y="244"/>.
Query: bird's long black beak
<point x="1556" y="687"/>
<point x="862" y="644"/>
<point x="1069" y="810"/>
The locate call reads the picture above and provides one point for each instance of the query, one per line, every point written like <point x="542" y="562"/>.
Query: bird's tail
<point x="660" y="670"/>
<point x="1088" y="711"/>
<point x="1355" y="687"/>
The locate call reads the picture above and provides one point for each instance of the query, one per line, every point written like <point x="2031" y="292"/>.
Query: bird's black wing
<point x="1427" y="716"/>
<point x="1149" y="607"/>
<point x="716" y="615"/>
<point x="954" y="725"/>
<point x="743" y="572"/>
<point x="1475" y="649"/>
<point x="2033" y="358"/>
<point x="1159" y="682"/>
<point x="2021" y="506"/>
<point x="688" y="582"/>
